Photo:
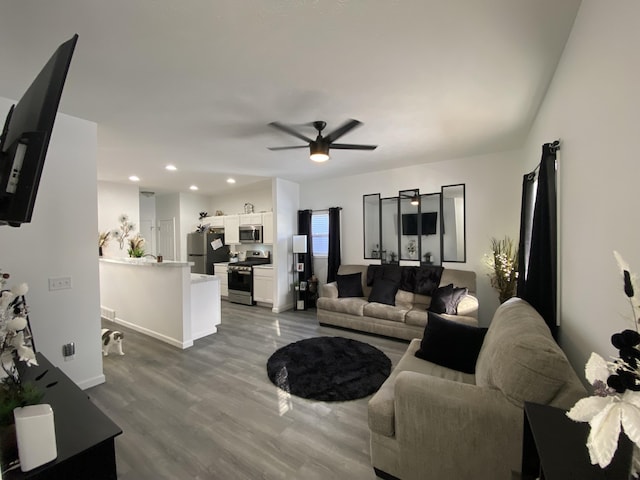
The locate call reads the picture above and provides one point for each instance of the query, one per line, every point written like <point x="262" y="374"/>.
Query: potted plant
<point x="136" y="246"/>
<point x="503" y="262"/>
<point x="103" y="241"/>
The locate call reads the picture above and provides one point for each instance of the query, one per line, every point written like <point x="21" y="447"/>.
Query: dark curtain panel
<point x="334" y="244"/>
<point x="304" y="228"/>
<point x="526" y="222"/>
<point x="539" y="285"/>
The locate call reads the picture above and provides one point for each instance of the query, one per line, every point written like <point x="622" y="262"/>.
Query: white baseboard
<point x="91" y="382"/>
<point x="159" y="336"/>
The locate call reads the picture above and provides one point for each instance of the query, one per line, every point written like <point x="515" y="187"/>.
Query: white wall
<point x="286" y="206"/>
<point x="232" y="202"/>
<point x="115" y="199"/>
<point x="593" y="105"/>
<point x="61" y="241"/>
<point x="493" y="190"/>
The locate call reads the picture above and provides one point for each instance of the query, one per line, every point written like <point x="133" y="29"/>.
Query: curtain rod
<point x="324" y="210"/>
<point x="554" y="147"/>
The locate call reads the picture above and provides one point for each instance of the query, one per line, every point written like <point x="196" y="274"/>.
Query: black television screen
<point x="429" y="223"/>
<point x="25" y="137"/>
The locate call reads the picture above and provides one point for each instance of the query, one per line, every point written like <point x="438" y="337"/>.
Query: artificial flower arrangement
<point x="103" y="240"/>
<point x="615" y="405"/>
<point x="15" y="345"/>
<point x="124" y="230"/>
<point x="503" y="262"/>
<point x="136" y="246"/>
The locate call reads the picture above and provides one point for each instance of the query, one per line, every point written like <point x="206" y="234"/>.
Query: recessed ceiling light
<point x="231" y="180"/>
<point x="134" y="178"/>
<point x="193" y="187"/>
<point x="171" y="168"/>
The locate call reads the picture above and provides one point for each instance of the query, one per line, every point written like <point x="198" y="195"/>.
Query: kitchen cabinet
<point x="263" y="284"/>
<point x="267" y="227"/>
<point x="251" y="219"/>
<point x="231" y="229"/>
<point x="220" y="270"/>
<point x="217" y="221"/>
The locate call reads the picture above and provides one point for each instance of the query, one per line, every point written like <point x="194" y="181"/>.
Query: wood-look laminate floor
<point x="210" y="412"/>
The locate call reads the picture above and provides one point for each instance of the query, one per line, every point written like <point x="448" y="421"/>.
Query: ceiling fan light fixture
<point x="318" y="152"/>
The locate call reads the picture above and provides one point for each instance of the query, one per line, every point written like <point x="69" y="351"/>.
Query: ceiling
<point x="195" y="83"/>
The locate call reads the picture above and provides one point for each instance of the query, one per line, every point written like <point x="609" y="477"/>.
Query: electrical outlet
<point x="60" y="283"/>
<point x="68" y="351"/>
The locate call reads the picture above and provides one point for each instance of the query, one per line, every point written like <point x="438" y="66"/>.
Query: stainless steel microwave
<point x="251" y="234"/>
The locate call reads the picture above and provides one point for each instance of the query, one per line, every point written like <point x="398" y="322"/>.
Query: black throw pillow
<point x="350" y="285"/>
<point x="427" y="279"/>
<point x="384" y="291"/>
<point x="451" y="344"/>
<point x="446" y="299"/>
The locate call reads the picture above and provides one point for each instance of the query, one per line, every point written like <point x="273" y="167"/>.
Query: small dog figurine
<point x="109" y="338"/>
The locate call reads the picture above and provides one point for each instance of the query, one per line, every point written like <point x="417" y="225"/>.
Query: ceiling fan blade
<point x="350" y="146"/>
<point x="340" y="131"/>
<point x="288" y="148"/>
<point x="290" y="131"/>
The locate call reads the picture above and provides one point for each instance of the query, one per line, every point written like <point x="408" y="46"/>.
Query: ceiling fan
<point x="319" y="148"/>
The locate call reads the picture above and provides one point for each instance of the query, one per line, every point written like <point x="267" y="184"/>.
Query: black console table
<point x="84" y="435"/>
<point x="554" y="448"/>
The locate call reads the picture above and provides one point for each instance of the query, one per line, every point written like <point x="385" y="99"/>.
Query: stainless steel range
<point x="241" y="277"/>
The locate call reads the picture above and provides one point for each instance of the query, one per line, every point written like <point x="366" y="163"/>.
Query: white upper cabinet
<point x="217" y="221"/>
<point x="251" y="219"/>
<point x="231" y="229"/>
<point x="267" y="227"/>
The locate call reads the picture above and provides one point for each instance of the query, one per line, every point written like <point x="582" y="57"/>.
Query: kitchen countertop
<point x="201" y="278"/>
<point x="146" y="262"/>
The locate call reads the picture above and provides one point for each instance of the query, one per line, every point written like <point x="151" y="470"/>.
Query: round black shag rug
<point x="330" y="369"/>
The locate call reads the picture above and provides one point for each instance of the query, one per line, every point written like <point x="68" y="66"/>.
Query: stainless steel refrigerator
<point x="201" y="252"/>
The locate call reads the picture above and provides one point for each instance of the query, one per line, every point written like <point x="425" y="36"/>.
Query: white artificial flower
<point x="6" y="297"/>
<point x="607" y="415"/>
<point x="17" y="323"/>
<point x="20" y="290"/>
<point x="26" y="355"/>
<point x="18" y="340"/>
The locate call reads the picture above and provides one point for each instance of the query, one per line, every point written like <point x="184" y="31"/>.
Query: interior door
<point x="148" y="230"/>
<point x="166" y="239"/>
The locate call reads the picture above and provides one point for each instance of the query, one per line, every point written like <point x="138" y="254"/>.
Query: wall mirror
<point x="409" y="225"/>
<point x="371" y="222"/>
<point x="430" y="253"/>
<point x="389" y="230"/>
<point x="453" y="224"/>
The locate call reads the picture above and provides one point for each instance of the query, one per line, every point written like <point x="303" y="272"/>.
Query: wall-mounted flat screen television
<point x="25" y="138"/>
<point x="429" y="224"/>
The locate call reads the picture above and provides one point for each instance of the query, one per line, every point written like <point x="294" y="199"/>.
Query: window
<point x="320" y="234"/>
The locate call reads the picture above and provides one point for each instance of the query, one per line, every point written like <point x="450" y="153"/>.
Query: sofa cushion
<point x="520" y="357"/>
<point x="394" y="313"/>
<point x="352" y="305"/>
<point x="350" y="285"/>
<point x="451" y="344"/>
<point x="445" y="299"/>
<point x="384" y="291"/>
<point x="381" y="405"/>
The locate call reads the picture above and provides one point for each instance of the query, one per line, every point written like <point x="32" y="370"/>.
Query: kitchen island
<point x="163" y="300"/>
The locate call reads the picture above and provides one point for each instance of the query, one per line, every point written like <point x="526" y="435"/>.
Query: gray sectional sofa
<point x="406" y="319"/>
<point x="429" y="422"/>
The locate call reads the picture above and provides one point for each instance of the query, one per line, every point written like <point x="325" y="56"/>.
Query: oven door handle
<point x="243" y="273"/>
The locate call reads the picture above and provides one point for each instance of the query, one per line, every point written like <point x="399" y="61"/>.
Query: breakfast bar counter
<point x="163" y="300"/>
